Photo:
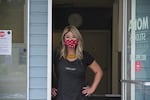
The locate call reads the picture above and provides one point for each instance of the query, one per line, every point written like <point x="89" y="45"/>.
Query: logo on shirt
<point x="71" y="69"/>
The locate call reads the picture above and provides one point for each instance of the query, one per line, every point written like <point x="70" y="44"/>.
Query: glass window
<point x="13" y="67"/>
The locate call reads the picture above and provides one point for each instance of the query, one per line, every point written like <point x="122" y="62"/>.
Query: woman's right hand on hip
<point x="54" y="92"/>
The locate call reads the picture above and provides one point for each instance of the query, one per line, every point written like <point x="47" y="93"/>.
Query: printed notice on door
<point x="5" y="42"/>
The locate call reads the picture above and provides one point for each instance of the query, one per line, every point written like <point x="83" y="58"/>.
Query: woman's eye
<point x="74" y="37"/>
<point x="67" y="37"/>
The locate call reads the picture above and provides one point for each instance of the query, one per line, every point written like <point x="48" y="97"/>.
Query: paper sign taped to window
<point x="5" y="42"/>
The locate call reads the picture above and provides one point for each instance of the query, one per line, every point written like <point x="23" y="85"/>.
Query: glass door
<point x="136" y="46"/>
<point x="13" y="49"/>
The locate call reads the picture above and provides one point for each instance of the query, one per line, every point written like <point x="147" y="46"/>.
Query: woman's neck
<point x="71" y="54"/>
<point x="71" y="51"/>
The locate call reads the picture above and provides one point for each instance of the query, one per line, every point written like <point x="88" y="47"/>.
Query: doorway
<point x="95" y="24"/>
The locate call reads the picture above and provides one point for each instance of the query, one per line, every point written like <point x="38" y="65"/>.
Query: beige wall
<point x="12" y="18"/>
<point x="117" y="46"/>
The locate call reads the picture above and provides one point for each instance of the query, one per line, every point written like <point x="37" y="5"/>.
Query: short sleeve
<point x="87" y="58"/>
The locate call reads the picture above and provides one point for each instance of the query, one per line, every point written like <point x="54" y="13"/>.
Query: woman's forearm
<point x="97" y="79"/>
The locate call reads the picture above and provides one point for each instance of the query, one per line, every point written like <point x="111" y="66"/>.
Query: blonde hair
<point x="78" y="49"/>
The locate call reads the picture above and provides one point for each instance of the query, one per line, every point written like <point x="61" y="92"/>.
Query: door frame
<point x="49" y="51"/>
<point x="124" y="51"/>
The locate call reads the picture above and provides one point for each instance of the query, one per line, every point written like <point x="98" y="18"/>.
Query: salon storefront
<point x="25" y="73"/>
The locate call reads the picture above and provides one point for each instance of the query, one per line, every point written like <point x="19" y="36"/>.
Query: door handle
<point x="145" y="83"/>
<point x="132" y="81"/>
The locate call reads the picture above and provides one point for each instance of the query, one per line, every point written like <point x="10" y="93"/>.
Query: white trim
<point x="133" y="7"/>
<point x="124" y="51"/>
<point x="49" y="50"/>
<point x="28" y="58"/>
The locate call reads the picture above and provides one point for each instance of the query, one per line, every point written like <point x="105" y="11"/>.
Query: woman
<point x="70" y="63"/>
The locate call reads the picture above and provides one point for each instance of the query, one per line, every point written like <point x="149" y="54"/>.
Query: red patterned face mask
<point x="71" y="43"/>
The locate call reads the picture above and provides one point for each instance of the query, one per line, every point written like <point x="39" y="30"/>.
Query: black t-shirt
<point x="71" y="76"/>
<point x="87" y="60"/>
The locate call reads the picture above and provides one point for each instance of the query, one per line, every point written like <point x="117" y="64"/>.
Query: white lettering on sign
<point x="141" y="57"/>
<point x="139" y="24"/>
<point x="140" y="37"/>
